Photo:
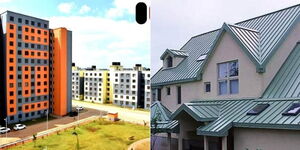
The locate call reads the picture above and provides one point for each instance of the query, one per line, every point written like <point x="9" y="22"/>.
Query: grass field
<point x="97" y="135"/>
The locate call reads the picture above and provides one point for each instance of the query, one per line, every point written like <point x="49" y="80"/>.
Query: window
<point x="258" y="109"/>
<point x="19" y="20"/>
<point x="11" y="26"/>
<point x="178" y="94"/>
<point x="169" y="61"/>
<point x="168" y="91"/>
<point x="293" y="110"/>
<point x="159" y="94"/>
<point x="207" y="86"/>
<point x="202" y="57"/>
<point x="228" y="82"/>
<point x="11" y="18"/>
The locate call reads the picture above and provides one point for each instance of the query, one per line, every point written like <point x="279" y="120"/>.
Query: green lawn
<point x="97" y="135"/>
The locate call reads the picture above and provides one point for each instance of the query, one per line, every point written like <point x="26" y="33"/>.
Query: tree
<point x="154" y="129"/>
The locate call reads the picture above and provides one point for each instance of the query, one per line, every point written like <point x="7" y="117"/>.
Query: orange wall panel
<point x="11" y="64"/>
<point x="39" y="36"/>
<point x="35" y="106"/>
<point x="41" y="80"/>
<point x="35" y="54"/>
<point x="60" y="71"/>
<point x="26" y="81"/>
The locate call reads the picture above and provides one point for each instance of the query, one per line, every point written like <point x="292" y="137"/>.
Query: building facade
<point x="126" y="87"/>
<point x="27" y="68"/>
<point x="97" y="87"/>
<point x="226" y="85"/>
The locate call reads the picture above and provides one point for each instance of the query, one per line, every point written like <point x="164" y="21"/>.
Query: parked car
<point x="4" y="130"/>
<point x="19" y="126"/>
<point x="73" y="113"/>
<point x="80" y="108"/>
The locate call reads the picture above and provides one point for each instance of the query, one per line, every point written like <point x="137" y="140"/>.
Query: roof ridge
<point x="242" y="27"/>
<point x="269" y="13"/>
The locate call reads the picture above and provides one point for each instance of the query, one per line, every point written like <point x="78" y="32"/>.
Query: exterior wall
<point x="264" y="139"/>
<point x="250" y="82"/>
<point x="188" y="127"/>
<point x="61" y="66"/>
<point x="189" y="92"/>
<point x="147" y="93"/>
<point x="176" y="61"/>
<point x="77" y="84"/>
<point x="280" y="56"/>
<point x="25" y="55"/>
<point x="125" y="85"/>
<point x="97" y="86"/>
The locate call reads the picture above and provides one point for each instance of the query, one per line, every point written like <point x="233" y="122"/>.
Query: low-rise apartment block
<point x="124" y="87"/>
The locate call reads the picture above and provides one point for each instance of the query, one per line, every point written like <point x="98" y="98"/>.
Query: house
<point x="236" y="87"/>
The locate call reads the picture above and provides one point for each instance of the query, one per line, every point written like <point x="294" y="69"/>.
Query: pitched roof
<point x="205" y="111"/>
<point x="261" y="36"/>
<point x="163" y="123"/>
<point x="173" y="52"/>
<point x="286" y="83"/>
<point x="234" y="114"/>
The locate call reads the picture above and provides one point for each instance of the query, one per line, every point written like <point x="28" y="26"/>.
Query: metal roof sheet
<point x="208" y="111"/>
<point x="173" y="52"/>
<point x="234" y="114"/>
<point x="261" y="36"/>
<point x="286" y="82"/>
<point x="163" y="123"/>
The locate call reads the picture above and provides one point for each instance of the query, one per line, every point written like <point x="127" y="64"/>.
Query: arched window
<point x="169" y="61"/>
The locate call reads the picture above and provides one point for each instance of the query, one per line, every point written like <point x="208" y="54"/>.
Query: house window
<point x="168" y="91"/>
<point x="178" y="94"/>
<point x="207" y="86"/>
<point x="228" y="82"/>
<point x="169" y="61"/>
<point x="159" y="94"/>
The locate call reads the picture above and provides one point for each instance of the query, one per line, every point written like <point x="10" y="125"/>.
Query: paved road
<point x="39" y="127"/>
<point x="125" y="114"/>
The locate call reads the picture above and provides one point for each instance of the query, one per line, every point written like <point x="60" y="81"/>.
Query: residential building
<point x="147" y="90"/>
<point x="97" y="86"/>
<point x="129" y="85"/>
<point x="77" y="83"/>
<point x="233" y="88"/>
<point x="35" y="68"/>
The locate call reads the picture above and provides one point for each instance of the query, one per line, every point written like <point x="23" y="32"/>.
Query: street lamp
<point x="47" y="112"/>
<point x="6" y="129"/>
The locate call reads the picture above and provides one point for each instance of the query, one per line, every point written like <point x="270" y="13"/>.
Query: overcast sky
<point x="174" y="22"/>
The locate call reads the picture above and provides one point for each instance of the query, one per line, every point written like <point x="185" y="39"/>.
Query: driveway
<point x="134" y="116"/>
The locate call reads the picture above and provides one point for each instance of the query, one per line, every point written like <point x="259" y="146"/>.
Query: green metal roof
<point x="259" y="37"/>
<point x="164" y="123"/>
<point x="160" y="111"/>
<point x="178" y="53"/>
<point x="286" y="82"/>
<point x="234" y="114"/>
<point x="204" y="111"/>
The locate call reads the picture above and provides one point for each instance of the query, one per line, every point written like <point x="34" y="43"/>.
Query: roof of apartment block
<point x="258" y="37"/>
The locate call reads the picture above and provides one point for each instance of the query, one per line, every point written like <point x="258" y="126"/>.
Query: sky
<point x="174" y="22"/>
<point x="103" y="30"/>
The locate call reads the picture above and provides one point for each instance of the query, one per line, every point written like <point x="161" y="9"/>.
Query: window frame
<point x="227" y="78"/>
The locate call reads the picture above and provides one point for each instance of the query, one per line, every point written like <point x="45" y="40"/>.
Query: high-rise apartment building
<point x="34" y="69"/>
